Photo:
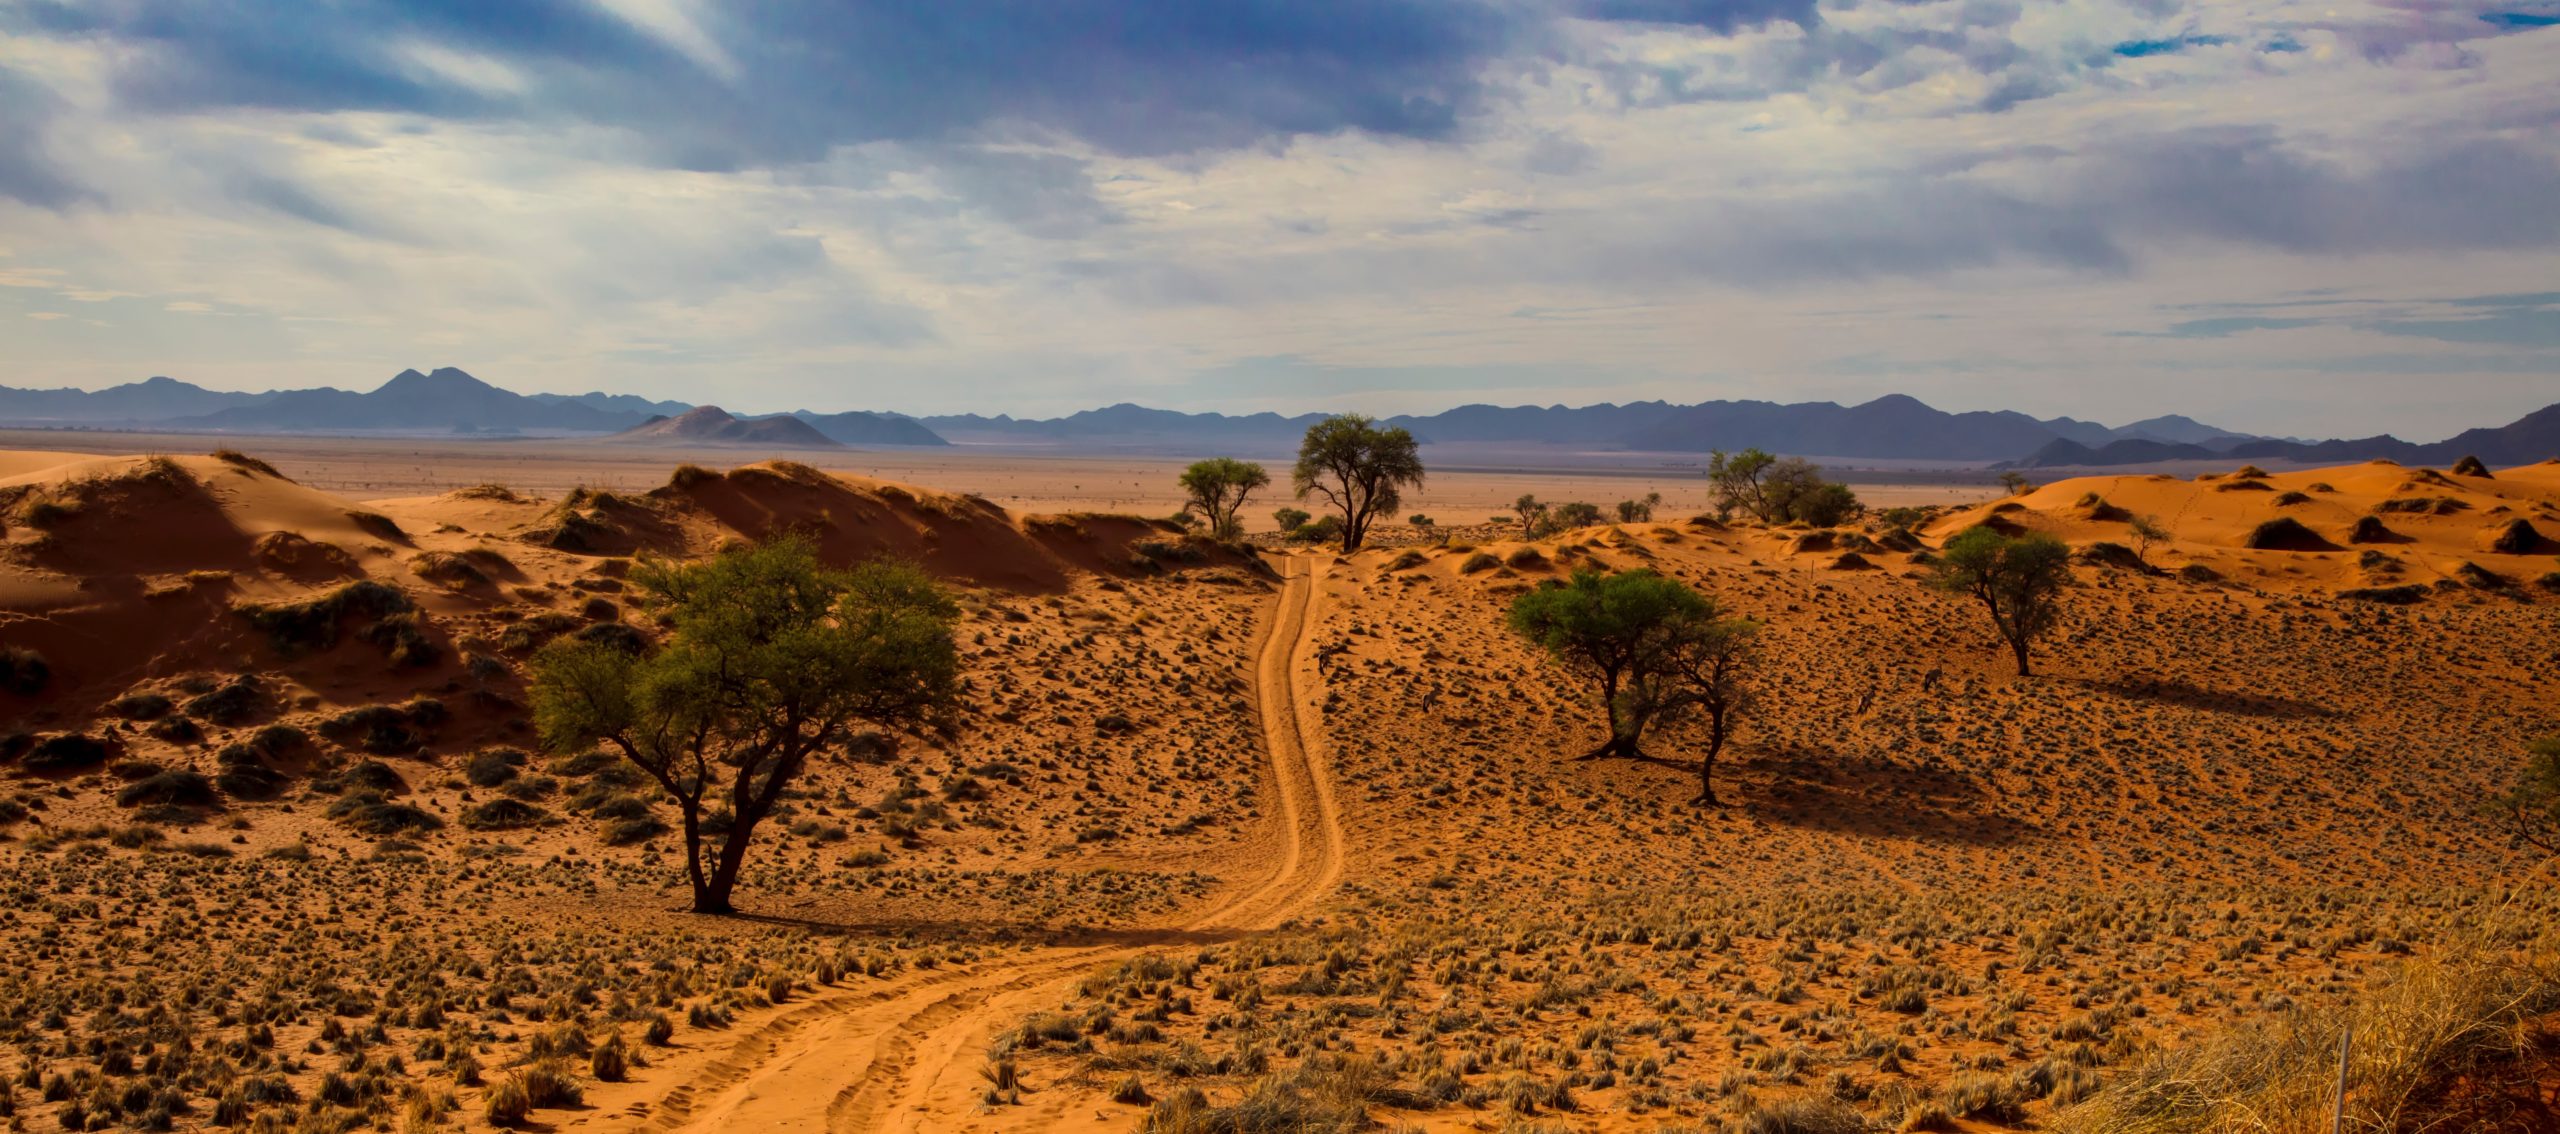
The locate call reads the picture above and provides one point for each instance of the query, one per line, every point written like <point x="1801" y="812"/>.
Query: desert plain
<point x="1261" y="836"/>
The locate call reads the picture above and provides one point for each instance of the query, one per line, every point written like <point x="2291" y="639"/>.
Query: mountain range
<point x="2533" y="437"/>
<point x="1894" y="427"/>
<point x="445" y="400"/>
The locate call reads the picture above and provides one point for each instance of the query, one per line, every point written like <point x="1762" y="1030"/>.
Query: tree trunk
<point x="712" y="896"/>
<point x="693" y="860"/>
<point x="1707" y="765"/>
<point x="1616" y="747"/>
<point x="2018" y="646"/>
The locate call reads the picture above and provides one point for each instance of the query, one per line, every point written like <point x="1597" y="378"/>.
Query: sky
<point x="2313" y="219"/>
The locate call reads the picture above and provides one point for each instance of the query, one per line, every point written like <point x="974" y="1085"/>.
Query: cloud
<point x="28" y="172"/>
<point x="784" y="82"/>
<point x="2224" y="328"/>
<point x="2527" y="327"/>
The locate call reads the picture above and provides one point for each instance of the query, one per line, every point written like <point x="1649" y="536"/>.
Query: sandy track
<point x="906" y="1056"/>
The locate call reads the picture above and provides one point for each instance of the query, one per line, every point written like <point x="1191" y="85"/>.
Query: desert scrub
<point x="2433" y="1034"/>
<point x="1640" y="1001"/>
<point x="247" y="991"/>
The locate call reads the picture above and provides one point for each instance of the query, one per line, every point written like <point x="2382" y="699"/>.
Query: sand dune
<point x="1218" y="815"/>
<point x="2353" y="527"/>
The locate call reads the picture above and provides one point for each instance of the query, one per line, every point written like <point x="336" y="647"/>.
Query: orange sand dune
<point x="2372" y="524"/>
<point x="119" y="568"/>
<point x="20" y="462"/>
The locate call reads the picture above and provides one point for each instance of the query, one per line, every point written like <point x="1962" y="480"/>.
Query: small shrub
<point x="235" y="702"/>
<point x="317" y="624"/>
<point x="177" y="787"/>
<point x="1480" y="561"/>
<point x="383" y="730"/>
<point x="2284" y="533"/>
<point x="508" y="1103"/>
<point x="141" y="706"/>
<point x="446" y="569"/>
<point x="2403" y="595"/>
<point x="369" y="812"/>
<point x="490" y="767"/>
<point x="238" y="459"/>
<point x="67" y="752"/>
<point x="504" y="814"/>
<point x="610" y="1063"/>
<point x="625" y="832"/>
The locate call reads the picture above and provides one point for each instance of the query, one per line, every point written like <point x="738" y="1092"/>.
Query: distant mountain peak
<point x="701" y="417"/>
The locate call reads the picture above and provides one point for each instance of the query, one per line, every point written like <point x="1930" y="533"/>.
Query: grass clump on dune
<point x="381" y="614"/>
<point x="2440" y="1032"/>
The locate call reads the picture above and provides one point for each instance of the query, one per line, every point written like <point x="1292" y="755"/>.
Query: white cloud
<point x="1630" y="212"/>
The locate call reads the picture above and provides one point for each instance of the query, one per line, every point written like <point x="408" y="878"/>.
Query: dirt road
<point x="905" y="1055"/>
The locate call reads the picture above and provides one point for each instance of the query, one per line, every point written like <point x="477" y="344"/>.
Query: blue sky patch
<point x="2144" y="48"/>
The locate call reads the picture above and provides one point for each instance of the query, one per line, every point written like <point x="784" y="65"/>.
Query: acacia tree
<point x="1533" y="515"/>
<point x="770" y="659"/>
<point x="1736" y="479"/>
<point x="1618" y="631"/>
<point x="2532" y="806"/>
<point x="1705" y="671"/>
<point x="1358" y="469"/>
<point x="2018" y="578"/>
<point x="1218" y="489"/>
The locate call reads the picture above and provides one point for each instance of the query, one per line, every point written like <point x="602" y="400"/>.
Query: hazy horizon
<point x="2282" y="218"/>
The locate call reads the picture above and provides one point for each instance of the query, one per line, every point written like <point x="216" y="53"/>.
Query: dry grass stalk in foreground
<point x="2445" y="1031"/>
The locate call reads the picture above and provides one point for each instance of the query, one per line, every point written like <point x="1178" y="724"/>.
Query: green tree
<point x="2015" y="483"/>
<point x="1533" y="516"/>
<point x="1576" y="515"/>
<point x="1290" y="519"/>
<point x="770" y="658"/>
<point x="1706" y="672"/>
<point x="1826" y="504"/>
<point x="1619" y="631"/>
<point x="1358" y="469"/>
<point x="1639" y="511"/>
<point x="1735" y="479"/>
<point x="2147" y="531"/>
<point x="2532" y="806"/>
<point x="1218" y="489"/>
<point x="2018" y="578"/>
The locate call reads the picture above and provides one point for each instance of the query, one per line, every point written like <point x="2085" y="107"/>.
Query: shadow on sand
<point x="1865" y="797"/>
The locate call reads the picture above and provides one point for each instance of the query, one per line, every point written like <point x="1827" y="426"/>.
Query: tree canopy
<point x="1218" y="489"/>
<point x="1775" y="490"/>
<point x="769" y="659"/>
<point x="2019" y="579"/>
<point x="1358" y="469"/>
<point x="1655" y="649"/>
